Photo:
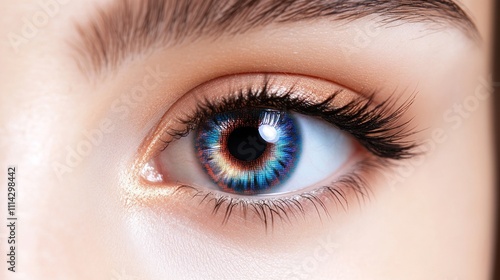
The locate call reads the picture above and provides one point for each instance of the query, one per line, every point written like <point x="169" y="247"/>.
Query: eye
<point x="257" y="151"/>
<point x="275" y="142"/>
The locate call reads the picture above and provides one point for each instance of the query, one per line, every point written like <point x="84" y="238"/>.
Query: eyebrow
<point x="127" y="27"/>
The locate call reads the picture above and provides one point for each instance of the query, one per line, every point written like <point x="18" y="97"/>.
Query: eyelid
<point x="177" y="122"/>
<point x="309" y="88"/>
<point x="383" y="120"/>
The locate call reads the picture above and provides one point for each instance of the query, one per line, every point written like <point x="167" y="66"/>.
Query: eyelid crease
<point x="129" y="27"/>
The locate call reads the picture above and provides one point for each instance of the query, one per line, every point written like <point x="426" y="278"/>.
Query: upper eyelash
<point x="378" y="127"/>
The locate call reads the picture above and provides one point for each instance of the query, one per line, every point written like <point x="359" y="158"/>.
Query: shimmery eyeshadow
<point x="269" y="163"/>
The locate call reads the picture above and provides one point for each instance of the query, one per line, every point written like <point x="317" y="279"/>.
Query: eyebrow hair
<point x="129" y="27"/>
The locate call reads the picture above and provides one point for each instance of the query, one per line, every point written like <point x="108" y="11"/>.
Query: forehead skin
<point x="45" y="105"/>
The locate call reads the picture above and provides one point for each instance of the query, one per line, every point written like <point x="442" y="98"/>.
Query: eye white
<point x="324" y="150"/>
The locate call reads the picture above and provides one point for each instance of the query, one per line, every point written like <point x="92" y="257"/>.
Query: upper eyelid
<point x="121" y="30"/>
<point x="383" y="124"/>
<point x="355" y="181"/>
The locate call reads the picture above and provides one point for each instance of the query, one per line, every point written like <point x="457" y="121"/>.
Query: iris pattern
<point x="249" y="152"/>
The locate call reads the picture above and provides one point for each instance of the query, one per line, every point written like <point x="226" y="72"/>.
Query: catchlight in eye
<point x="249" y="151"/>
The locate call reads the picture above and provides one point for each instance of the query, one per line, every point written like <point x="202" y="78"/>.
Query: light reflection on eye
<point x="274" y="144"/>
<point x="233" y="151"/>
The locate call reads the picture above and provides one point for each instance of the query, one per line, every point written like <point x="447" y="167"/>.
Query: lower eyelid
<point x="228" y="219"/>
<point x="213" y="210"/>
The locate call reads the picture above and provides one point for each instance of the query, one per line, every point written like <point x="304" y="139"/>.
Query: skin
<point x="431" y="218"/>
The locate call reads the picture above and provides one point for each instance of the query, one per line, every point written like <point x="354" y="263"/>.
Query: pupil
<point x="246" y="144"/>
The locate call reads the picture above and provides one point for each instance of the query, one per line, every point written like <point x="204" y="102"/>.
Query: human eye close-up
<point x="274" y="146"/>
<point x="249" y="139"/>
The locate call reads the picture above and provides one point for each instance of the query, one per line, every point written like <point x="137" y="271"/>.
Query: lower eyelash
<point x="272" y="210"/>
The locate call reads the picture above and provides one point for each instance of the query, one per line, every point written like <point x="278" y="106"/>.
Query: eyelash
<point x="378" y="127"/>
<point x="268" y="210"/>
<point x="375" y="126"/>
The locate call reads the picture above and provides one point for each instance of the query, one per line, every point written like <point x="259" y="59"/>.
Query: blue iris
<point x="250" y="151"/>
